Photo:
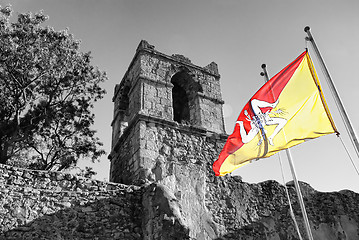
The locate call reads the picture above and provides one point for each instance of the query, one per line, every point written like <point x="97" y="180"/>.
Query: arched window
<point x="180" y="104"/>
<point x="121" y="113"/>
<point x="124" y="100"/>
<point x="184" y="94"/>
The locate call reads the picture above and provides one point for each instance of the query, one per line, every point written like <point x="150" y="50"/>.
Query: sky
<point x="239" y="35"/>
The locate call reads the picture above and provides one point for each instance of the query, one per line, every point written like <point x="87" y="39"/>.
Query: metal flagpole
<point x="337" y="99"/>
<point x="296" y="184"/>
<point x="299" y="193"/>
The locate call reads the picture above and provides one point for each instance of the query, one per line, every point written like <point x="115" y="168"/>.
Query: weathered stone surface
<point x="186" y="203"/>
<point x="175" y="132"/>
<point x="162" y="215"/>
<point x="178" y="196"/>
<point x="53" y="205"/>
<point x="264" y="213"/>
<point x="147" y="89"/>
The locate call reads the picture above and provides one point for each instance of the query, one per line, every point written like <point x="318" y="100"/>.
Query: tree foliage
<point x="48" y="88"/>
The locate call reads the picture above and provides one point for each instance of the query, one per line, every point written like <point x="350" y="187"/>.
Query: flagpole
<point x="335" y="93"/>
<point x="296" y="184"/>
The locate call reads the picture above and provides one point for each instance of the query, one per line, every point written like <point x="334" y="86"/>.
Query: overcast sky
<point x="239" y="35"/>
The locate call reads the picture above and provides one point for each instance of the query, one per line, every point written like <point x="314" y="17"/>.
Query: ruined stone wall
<point x="186" y="202"/>
<point x="178" y="157"/>
<point x="261" y="211"/>
<point x="208" y="207"/>
<point x="162" y="215"/>
<point x="54" y="205"/>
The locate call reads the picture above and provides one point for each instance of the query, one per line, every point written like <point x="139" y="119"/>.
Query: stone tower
<point x="167" y="131"/>
<point x="159" y="96"/>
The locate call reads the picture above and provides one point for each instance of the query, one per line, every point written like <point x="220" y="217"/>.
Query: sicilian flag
<point x="289" y="109"/>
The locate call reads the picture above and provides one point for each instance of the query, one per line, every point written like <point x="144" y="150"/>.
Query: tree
<point x="48" y="88"/>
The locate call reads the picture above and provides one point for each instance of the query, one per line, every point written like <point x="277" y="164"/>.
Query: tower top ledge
<point x="211" y="68"/>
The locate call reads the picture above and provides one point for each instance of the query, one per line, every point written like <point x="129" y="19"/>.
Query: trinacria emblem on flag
<point x="289" y="109"/>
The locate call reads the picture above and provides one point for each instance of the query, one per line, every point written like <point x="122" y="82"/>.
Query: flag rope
<point x="288" y="197"/>
<point x="345" y="125"/>
<point x="316" y="80"/>
<point x="335" y="94"/>
<point x="351" y="159"/>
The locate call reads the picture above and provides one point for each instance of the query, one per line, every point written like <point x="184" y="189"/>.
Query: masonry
<point x="161" y="92"/>
<point x="174" y="131"/>
<point x="167" y="130"/>
<point x="53" y="205"/>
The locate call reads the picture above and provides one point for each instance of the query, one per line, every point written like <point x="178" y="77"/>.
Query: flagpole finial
<point x="306" y="29"/>
<point x="264" y="68"/>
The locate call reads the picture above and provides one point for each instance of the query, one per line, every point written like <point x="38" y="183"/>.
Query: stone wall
<point x="162" y="216"/>
<point x="179" y="158"/>
<point x="176" y="195"/>
<point x="261" y="211"/>
<point x="185" y="202"/>
<point x="227" y="208"/>
<point x="124" y="164"/>
<point x="54" y="205"/>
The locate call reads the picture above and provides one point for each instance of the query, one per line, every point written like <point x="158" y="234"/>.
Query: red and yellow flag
<point x="289" y="109"/>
